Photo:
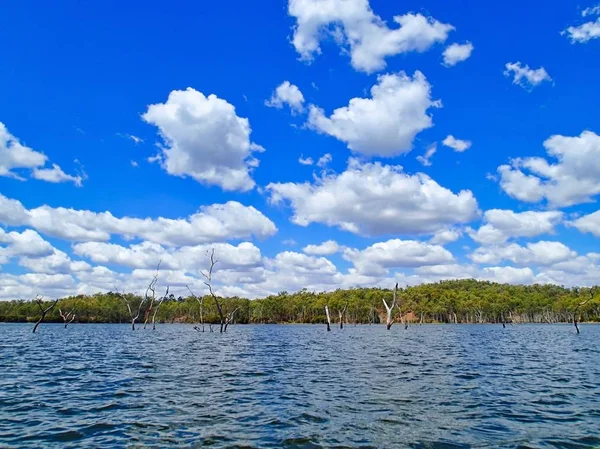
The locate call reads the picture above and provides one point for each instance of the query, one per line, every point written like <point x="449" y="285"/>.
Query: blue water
<point x="104" y="386"/>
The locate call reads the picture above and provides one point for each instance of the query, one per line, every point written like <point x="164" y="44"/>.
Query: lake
<point x="447" y="386"/>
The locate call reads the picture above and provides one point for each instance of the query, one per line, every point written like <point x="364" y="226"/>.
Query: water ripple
<point x="103" y="386"/>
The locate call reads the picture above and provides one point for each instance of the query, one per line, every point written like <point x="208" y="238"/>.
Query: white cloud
<point x="378" y="258"/>
<point x="502" y="225"/>
<point x="445" y="236"/>
<point x="204" y="139"/>
<point x="591" y="11"/>
<point x="56" y="263"/>
<point x="524" y="76"/>
<point x="586" y="31"/>
<point x="324" y="249"/>
<point x="55" y="175"/>
<point x="16" y="156"/>
<point x="376" y="199"/>
<point x="385" y="124"/>
<point x="426" y="158"/>
<point x="217" y="222"/>
<point x="134" y="139"/>
<point x="588" y="223"/>
<point x="134" y="164"/>
<point x="146" y="255"/>
<point x="26" y="244"/>
<point x="455" y="53"/>
<point x="13" y="155"/>
<point x="456" y="144"/>
<point x="324" y="160"/>
<point x="36" y="254"/>
<point x="287" y="94"/>
<point x="355" y="27"/>
<point x="508" y="275"/>
<point x="574" y="179"/>
<point x="305" y="161"/>
<point x="540" y="253"/>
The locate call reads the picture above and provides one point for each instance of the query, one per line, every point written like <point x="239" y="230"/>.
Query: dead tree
<point x="151" y="299"/>
<point x="201" y="303"/>
<point x="67" y="317"/>
<point x="581" y="304"/>
<point x="40" y="301"/>
<point x="341" y="314"/>
<point x="208" y="283"/>
<point x="229" y="318"/>
<point x="133" y="313"/>
<point x="328" y="318"/>
<point x="389" y="309"/>
<point x="161" y="300"/>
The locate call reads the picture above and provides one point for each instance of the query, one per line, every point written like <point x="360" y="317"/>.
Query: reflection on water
<point x="104" y="386"/>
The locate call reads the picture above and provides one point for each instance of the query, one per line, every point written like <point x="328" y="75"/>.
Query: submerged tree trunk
<point x="67" y="317"/>
<point x="389" y="309"/>
<point x="39" y="301"/>
<point x="581" y="304"/>
<point x="158" y="307"/>
<point x="328" y="319"/>
<point x="341" y="314"/>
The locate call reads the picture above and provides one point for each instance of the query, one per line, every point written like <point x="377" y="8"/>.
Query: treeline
<point x="461" y="301"/>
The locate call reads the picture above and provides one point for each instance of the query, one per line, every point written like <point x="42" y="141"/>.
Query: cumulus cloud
<point x="147" y="255"/>
<point x="446" y="236"/>
<point x="573" y="179"/>
<point x="204" y="139"/>
<point x="27" y="243"/>
<point x="539" y="253"/>
<point x="524" y="76"/>
<point x="456" y="144"/>
<point x="15" y="157"/>
<point x="324" y="249"/>
<point x="36" y="254"/>
<point x="357" y="29"/>
<point x="378" y="258"/>
<point x="586" y="31"/>
<point x="508" y="275"/>
<point x="217" y="222"/>
<point x="588" y="223"/>
<point x="455" y="53"/>
<point x="376" y="199"/>
<point x="501" y="225"/>
<point x="287" y="94"/>
<point x="385" y="124"/>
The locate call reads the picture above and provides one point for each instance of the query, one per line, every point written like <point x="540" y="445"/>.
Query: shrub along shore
<point x="458" y="301"/>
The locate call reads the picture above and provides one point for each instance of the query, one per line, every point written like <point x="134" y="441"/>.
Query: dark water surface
<point x="104" y="386"/>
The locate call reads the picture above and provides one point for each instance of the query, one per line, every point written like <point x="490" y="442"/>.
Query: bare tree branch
<point x="208" y="283"/>
<point x="67" y="317"/>
<point x="581" y="304"/>
<point x="158" y="307"/>
<point x="390" y="309"/>
<point x="40" y="301"/>
<point x="201" y="303"/>
<point x="151" y="299"/>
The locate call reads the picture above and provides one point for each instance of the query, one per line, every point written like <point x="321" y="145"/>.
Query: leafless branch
<point x="201" y="303"/>
<point x="390" y="309"/>
<point x="67" y="317"/>
<point x="581" y="304"/>
<point x="40" y="301"/>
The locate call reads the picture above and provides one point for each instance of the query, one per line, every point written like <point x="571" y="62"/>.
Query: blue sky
<point x="519" y="89"/>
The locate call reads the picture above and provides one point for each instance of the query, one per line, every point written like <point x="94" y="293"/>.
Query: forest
<point x="456" y="301"/>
